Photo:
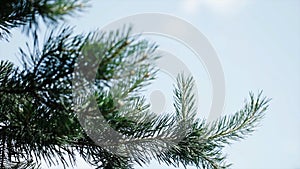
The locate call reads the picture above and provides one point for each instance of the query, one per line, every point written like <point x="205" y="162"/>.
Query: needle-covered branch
<point x="29" y="13"/>
<point x="78" y="88"/>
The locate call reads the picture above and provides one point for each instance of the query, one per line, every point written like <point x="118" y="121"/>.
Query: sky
<point x="258" y="46"/>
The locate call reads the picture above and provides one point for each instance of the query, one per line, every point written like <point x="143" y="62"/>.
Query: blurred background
<point x="258" y="44"/>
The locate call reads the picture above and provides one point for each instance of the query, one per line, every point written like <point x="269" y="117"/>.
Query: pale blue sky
<point x="258" y="44"/>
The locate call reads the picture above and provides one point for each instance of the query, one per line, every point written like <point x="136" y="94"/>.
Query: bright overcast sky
<point x="258" y="44"/>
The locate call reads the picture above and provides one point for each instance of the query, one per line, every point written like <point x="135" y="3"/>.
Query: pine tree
<point x="43" y="119"/>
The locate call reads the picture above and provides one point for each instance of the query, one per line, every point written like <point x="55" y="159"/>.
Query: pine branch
<point x="38" y="88"/>
<point x="244" y="122"/>
<point x="28" y="13"/>
<point x="184" y="100"/>
<point x="38" y="98"/>
<point x="202" y="146"/>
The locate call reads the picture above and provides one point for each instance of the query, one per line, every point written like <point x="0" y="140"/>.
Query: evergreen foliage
<point x="29" y="13"/>
<point x="43" y="119"/>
